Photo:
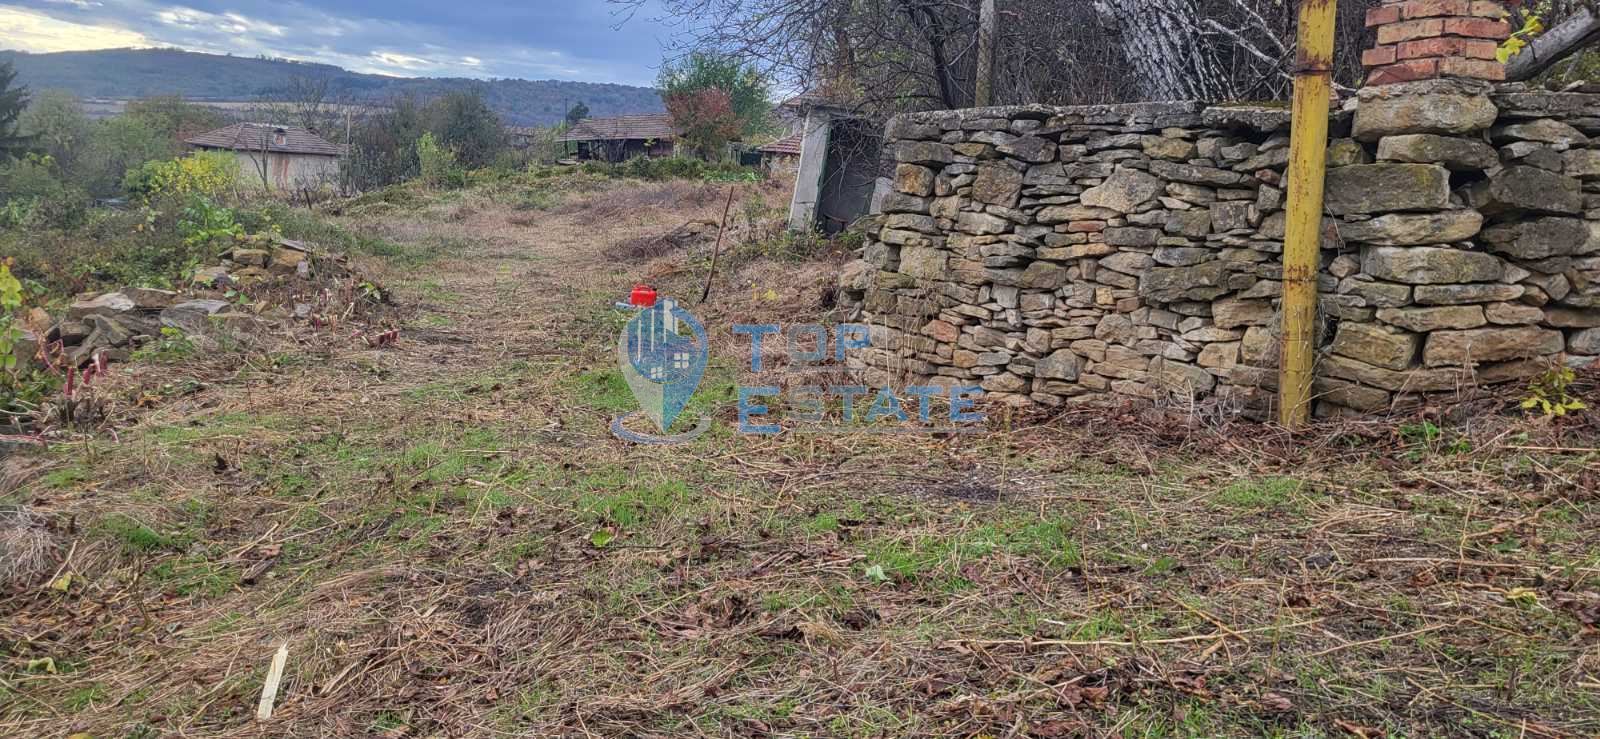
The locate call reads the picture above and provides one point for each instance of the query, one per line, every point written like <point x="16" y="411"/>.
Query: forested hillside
<point x="135" y="73"/>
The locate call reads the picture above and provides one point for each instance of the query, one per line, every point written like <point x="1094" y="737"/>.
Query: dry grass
<point x="452" y="544"/>
<point x="27" y="548"/>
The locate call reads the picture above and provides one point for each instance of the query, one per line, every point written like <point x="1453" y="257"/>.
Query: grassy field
<point x="450" y="542"/>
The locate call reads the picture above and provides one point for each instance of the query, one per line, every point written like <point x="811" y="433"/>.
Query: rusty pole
<point x="1308" y="157"/>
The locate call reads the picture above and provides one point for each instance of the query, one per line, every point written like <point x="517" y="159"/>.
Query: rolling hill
<point x="120" y="74"/>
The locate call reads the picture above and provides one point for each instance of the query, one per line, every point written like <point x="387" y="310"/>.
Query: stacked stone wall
<point x="1053" y="255"/>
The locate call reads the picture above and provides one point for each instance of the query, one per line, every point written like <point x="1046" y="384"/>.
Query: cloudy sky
<point x="535" y="39"/>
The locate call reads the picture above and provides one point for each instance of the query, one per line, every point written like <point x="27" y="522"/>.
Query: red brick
<point x="1477" y="28"/>
<point x="1379" y="56"/>
<point x="1480" y="69"/>
<point x="1383" y="16"/>
<point x="1407" y="71"/>
<point x="1489" y="9"/>
<point x="1468" y="48"/>
<point x="1435" y="8"/>
<point x="1394" y="33"/>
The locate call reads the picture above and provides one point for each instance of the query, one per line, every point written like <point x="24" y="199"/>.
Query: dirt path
<point x="451" y="544"/>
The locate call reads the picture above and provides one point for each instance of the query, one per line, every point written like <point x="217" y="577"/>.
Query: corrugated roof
<point x="628" y="127"/>
<point x="787" y="145"/>
<point x="261" y="136"/>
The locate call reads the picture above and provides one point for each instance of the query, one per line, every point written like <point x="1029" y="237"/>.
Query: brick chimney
<point x="1431" y="39"/>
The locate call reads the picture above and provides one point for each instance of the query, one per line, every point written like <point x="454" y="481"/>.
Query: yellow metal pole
<point x="1308" y="157"/>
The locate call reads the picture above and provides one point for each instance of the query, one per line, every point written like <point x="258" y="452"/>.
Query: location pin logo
<point x="663" y="353"/>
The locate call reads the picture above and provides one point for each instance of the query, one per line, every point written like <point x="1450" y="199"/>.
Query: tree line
<point x="891" y="56"/>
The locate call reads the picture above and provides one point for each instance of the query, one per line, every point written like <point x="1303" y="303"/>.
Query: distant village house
<point x="624" y="137"/>
<point x="281" y="158"/>
<point x="781" y="158"/>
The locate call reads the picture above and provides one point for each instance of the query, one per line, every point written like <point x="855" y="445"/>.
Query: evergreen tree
<point x="577" y="113"/>
<point x="13" y="99"/>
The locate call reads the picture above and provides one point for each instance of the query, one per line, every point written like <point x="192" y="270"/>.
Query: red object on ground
<point x="643" y="296"/>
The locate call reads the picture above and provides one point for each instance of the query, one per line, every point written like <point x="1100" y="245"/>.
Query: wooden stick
<point x="1112" y="643"/>
<point x="717" y="250"/>
<point x="1383" y="639"/>
<point x="269" y="689"/>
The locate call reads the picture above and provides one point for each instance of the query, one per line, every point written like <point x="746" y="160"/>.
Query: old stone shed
<point x="282" y="158"/>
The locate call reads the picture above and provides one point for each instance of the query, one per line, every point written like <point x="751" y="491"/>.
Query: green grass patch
<point x="135" y="537"/>
<point x="1259" y="494"/>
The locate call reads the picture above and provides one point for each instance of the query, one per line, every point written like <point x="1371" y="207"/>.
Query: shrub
<point x="22" y="386"/>
<point x="33" y="195"/>
<point x="669" y="168"/>
<point x="207" y="174"/>
<point x="438" y="164"/>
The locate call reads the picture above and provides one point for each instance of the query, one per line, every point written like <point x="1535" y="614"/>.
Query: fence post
<point x="1308" y="152"/>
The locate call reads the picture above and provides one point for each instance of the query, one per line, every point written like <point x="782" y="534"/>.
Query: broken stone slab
<point x="193" y="317"/>
<point x="212" y="277"/>
<point x="924" y="152"/>
<point x="1583" y="164"/>
<point x="1043" y="276"/>
<point x="1525" y="188"/>
<point x="1447" y="106"/>
<point x="1379" y="346"/>
<point x="1180" y="378"/>
<point x="1513" y="314"/>
<point x="1467" y="294"/>
<point x="914" y="180"/>
<point x="1586" y="342"/>
<point x="1534" y="154"/>
<point x="1457" y="154"/>
<point x="1423" y="320"/>
<point x="1415" y="229"/>
<point x="1526" y="104"/>
<point x="1124" y="191"/>
<point x="106" y="333"/>
<point x="1199" y="175"/>
<point x="1204" y="282"/>
<point x="1543" y="130"/>
<point x="1386" y="188"/>
<point x="109" y="304"/>
<point x="1351" y="395"/>
<point x="1411" y="381"/>
<point x="856" y="276"/>
<point x="1462" y="348"/>
<point x="1230" y="313"/>
<point x="997" y="184"/>
<point x="250" y="257"/>
<point x="149" y="298"/>
<point x="1560" y="317"/>
<point x="1429" y="265"/>
<point x="1061" y="365"/>
<point x="1539" y="238"/>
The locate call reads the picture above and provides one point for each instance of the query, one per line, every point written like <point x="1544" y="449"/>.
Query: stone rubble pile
<point x="1059" y="254"/>
<point x="114" y="324"/>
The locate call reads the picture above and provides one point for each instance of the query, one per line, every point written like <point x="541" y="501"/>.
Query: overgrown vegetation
<point x="449" y="510"/>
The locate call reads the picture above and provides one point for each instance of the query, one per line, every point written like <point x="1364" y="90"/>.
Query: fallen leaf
<point x="63" y="583"/>
<point x="1276" y="703"/>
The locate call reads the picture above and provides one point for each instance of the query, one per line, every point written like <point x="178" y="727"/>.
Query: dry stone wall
<point x="1054" y="255"/>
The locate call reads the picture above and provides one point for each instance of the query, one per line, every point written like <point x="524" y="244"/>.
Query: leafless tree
<point x="892" y="55"/>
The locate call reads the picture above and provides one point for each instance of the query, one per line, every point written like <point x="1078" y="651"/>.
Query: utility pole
<point x="983" y="96"/>
<point x="1302" y="244"/>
